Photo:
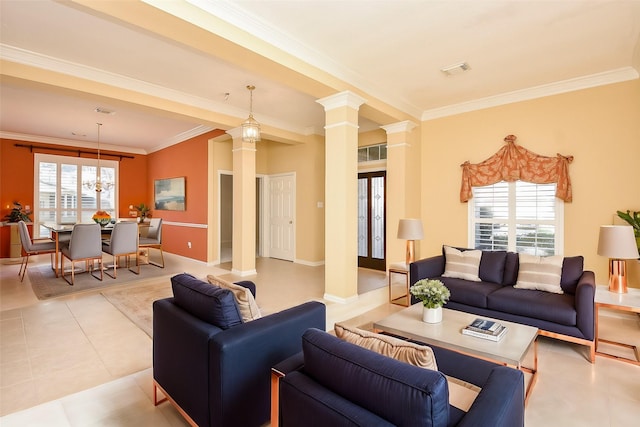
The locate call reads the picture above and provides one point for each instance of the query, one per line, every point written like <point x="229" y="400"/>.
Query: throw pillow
<point x="462" y="264"/>
<point x="244" y="298"/>
<point x="540" y="273"/>
<point x="211" y="304"/>
<point x="461" y="393"/>
<point x="405" y="351"/>
<point x="572" y="268"/>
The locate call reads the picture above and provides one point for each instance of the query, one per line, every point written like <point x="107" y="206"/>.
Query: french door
<point x="371" y="220"/>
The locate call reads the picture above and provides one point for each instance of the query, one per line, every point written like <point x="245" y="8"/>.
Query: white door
<point x="282" y="193"/>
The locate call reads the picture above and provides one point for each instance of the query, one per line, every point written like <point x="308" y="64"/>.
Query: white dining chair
<point x="85" y="245"/>
<point x="123" y="242"/>
<point x="154" y="240"/>
<point x="32" y="247"/>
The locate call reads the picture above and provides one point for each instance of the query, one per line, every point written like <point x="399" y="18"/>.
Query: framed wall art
<point x="169" y="194"/>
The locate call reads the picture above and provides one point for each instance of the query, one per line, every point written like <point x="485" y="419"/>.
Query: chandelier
<point x="97" y="184"/>
<point x="250" y="127"/>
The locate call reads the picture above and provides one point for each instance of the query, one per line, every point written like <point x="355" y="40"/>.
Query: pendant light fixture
<point x="250" y="127"/>
<point x="98" y="180"/>
<point x="98" y="185"/>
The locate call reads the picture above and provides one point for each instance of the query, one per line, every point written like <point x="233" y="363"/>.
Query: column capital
<point x="342" y="99"/>
<point x="404" y="126"/>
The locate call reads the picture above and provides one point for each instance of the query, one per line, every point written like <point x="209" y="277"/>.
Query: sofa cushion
<point x="209" y="303"/>
<point x="377" y="383"/>
<point x="469" y="293"/>
<point x="540" y="273"/>
<point x="572" y="268"/>
<point x="541" y="305"/>
<point x="462" y="264"/>
<point x="244" y="298"/>
<point x="405" y="351"/>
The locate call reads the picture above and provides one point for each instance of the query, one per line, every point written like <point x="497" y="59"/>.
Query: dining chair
<point x="123" y="242"/>
<point x="154" y="240"/>
<point x="32" y="247"/>
<point x="85" y="245"/>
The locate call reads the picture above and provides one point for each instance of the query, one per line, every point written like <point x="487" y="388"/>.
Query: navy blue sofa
<point x="569" y="316"/>
<point x="220" y="375"/>
<point x="336" y="383"/>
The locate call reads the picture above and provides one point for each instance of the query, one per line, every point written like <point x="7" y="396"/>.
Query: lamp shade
<point x="617" y="242"/>
<point x="410" y="229"/>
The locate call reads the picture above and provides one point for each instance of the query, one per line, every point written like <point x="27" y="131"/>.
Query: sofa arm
<point x="500" y="403"/>
<point x="427" y="268"/>
<point x="242" y="357"/>
<point x="585" y="305"/>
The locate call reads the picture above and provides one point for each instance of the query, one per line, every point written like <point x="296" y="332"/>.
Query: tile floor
<point x="77" y="361"/>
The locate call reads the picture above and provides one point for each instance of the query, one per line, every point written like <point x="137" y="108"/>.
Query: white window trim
<point x="81" y="161"/>
<point x="558" y="223"/>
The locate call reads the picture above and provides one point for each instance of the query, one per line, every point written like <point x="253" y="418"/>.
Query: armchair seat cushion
<point x="209" y="303"/>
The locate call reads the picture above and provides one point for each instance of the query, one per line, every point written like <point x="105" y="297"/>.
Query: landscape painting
<point x="169" y="194"/>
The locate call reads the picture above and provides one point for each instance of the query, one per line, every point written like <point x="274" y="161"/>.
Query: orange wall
<point x="187" y="159"/>
<point x="16" y="181"/>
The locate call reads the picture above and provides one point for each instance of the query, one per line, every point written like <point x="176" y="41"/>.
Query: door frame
<point x="376" y="264"/>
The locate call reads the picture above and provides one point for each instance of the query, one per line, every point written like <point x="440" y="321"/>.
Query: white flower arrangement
<point x="433" y="293"/>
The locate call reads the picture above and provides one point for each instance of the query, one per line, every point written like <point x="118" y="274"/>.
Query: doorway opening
<point x="372" y="220"/>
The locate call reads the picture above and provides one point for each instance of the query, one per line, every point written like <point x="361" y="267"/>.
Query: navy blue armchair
<point x="336" y="383"/>
<point x="220" y="376"/>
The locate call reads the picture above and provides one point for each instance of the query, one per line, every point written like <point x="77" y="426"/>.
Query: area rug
<point x="136" y="302"/>
<point x="45" y="285"/>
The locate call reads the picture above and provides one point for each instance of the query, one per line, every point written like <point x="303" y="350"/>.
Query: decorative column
<point x="398" y="183"/>
<point x="341" y="196"/>
<point x="244" y="205"/>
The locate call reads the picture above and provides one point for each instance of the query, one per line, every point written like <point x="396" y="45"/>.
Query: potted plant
<point x="433" y="294"/>
<point x="633" y="218"/>
<point x="145" y="211"/>
<point x="18" y="214"/>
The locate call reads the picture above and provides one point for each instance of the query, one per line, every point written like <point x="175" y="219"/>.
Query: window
<point x="517" y="216"/>
<point x="62" y="191"/>
<point x="372" y="153"/>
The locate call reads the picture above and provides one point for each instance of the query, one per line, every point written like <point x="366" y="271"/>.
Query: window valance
<point x="512" y="163"/>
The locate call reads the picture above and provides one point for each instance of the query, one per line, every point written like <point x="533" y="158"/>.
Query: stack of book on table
<point x="487" y="329"/>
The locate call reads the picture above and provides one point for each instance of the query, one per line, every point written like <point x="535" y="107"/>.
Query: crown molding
<point x="570" y="85"/>
<point x="176" y="139"/>
<point x="68" y="142"/>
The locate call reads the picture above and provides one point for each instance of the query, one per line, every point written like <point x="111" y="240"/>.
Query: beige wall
<point x="306" y="160"/>
<point x="600" y="127"/>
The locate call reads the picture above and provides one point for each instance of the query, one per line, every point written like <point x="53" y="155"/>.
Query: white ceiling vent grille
<point x="456" y="69"/>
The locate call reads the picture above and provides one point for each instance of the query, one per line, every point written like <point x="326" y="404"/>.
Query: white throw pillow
<point x="462" y="264"/>
<point x="244" y="298"/>
<point x="540" y="273"/>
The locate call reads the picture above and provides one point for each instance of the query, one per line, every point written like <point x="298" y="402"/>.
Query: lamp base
<point x="411" y="249"/>
<point x="618" y="276"/>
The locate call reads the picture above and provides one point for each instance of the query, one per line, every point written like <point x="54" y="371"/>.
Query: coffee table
<point x="510" y="350"/>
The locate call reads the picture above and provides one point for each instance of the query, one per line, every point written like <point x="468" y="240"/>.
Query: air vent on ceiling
<point x="455" y="69"/>
<point x="104" y="111"/>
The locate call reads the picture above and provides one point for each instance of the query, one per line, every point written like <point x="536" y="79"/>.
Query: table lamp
<point x="617" y="243"/>
<point x="410" y="230"/>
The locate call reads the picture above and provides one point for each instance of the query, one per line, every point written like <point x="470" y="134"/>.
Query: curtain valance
<point x="512" y="163"/>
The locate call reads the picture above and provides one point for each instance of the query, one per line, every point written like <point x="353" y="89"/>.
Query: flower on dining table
<point x="432" y="292"/>
<point x="101" y="217"/>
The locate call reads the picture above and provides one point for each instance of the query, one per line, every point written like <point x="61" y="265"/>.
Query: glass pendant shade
<point x="250" y="127"/>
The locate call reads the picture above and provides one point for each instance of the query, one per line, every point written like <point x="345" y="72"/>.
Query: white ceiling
<point x="389" y="50"/>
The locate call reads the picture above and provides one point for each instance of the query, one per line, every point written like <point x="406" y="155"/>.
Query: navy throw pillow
<point x="572" y="268"/>
<point x="209" y="303"/>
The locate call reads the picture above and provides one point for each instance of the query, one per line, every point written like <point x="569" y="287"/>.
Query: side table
<point x="623" y="302"/>
<point x="399" y="278"/>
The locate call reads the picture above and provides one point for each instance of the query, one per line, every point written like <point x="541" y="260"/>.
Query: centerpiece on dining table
<point x="102" y="218"/>
<point x="433" y="294"/>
